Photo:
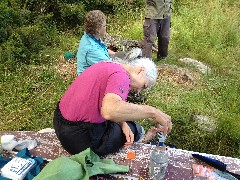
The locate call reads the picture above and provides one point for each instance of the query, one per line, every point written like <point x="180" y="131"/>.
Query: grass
<point x="206" y="31"/>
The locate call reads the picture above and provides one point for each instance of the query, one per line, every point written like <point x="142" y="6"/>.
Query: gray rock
<point x="199" y="65"/>
<point x="205" y="123"/>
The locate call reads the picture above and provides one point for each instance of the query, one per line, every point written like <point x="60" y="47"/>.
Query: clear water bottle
<point x="158" y="160"/>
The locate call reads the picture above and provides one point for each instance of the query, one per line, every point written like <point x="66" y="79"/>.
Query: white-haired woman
<point x="94" y="113"/>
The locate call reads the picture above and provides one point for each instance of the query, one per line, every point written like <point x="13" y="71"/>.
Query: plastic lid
<point x="161" y="143"/>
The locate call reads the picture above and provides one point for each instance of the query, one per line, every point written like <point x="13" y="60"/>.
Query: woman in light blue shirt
<point x="91" y="47"/>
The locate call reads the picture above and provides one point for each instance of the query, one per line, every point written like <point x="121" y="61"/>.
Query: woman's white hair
<point x="150" y="67"/>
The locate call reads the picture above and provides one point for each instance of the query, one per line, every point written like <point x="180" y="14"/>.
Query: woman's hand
<point x="128" y="134"/>
<point x="151" y="133"/>
<point x="164" y="122"/>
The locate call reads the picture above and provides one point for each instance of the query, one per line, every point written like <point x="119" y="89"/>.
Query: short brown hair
<point x="94" y="21"/>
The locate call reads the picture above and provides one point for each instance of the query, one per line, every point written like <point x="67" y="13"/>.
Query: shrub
<point x="23" y="46"/>
<point x="11" y="18"/>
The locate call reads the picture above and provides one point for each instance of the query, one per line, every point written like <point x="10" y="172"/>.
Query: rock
<point x="199" y="65"/>
<point x="205" y="123"/>
<point x="175" y="74"/>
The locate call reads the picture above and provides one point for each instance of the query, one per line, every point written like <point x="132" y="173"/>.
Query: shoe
<point x="70" y="56"/>
<point x="159" y="58"/>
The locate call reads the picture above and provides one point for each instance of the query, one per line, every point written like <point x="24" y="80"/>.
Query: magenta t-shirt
<point x="83" y="99"/>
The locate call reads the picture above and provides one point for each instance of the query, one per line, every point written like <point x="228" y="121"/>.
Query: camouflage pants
<point x="159" y="28"/>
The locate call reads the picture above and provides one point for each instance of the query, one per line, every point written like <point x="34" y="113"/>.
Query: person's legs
<point x="150" y="33"/>
<point x="139" y="133"/>
<point x="103" y="138"/>
<point x="114" y="139"/>
<point x="74" y="137"/>
<point x="163" y="38"/>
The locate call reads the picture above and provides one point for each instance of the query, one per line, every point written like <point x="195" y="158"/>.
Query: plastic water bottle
<point x="158" y="160"/>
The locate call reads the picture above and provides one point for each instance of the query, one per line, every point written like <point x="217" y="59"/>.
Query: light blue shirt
<point x="90" y="51"/>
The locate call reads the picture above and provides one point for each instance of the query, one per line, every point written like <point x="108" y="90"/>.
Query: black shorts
<point x="103" y="138"/>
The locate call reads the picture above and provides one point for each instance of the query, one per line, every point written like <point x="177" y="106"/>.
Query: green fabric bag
<point x="79" y="167"/>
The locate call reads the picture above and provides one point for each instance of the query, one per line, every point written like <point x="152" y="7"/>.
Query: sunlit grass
<point x="208" y="32"/>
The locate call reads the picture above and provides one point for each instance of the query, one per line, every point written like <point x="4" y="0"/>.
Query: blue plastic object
<point x="212" y="162"/>
<point x="215" y="163"/>
<point x="161" y="139"/>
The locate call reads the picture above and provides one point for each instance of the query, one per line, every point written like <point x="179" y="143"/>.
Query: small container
<point x="130" y="154"/>
<point x="17" y="168"/>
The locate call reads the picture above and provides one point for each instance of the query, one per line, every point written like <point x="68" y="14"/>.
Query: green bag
<point x="79" y="167"/>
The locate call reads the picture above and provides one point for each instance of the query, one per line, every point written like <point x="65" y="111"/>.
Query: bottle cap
<point x="161" y="144"/>
<point x="131" y="155"/>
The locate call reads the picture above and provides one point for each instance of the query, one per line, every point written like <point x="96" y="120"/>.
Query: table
<point x="180" y="161"/>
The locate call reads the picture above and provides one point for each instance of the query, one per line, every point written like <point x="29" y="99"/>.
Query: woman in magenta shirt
<point x="93" y="112"/>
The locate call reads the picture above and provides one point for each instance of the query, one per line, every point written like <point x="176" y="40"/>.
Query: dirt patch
<point x="172" y="73"/>
<point x="66" y="69"/>
<point x="177" y="75"/>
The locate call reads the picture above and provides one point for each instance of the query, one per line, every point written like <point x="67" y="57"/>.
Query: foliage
<point x="10" y="19"/>
<point x="27" y="27"/>
<point x="112" y="6"/>
<point x="25" y="43"/>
